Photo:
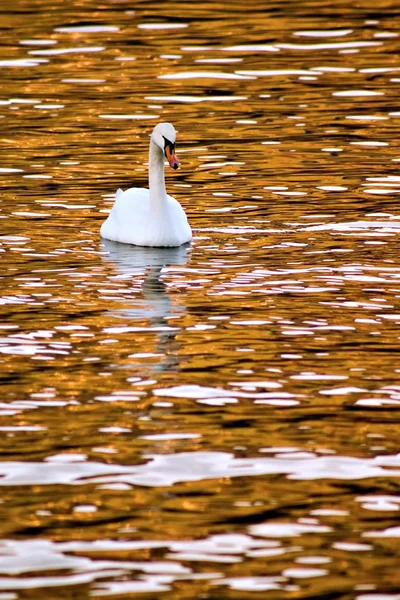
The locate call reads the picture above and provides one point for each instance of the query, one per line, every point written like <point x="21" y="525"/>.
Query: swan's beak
<point x="171" y="156"/>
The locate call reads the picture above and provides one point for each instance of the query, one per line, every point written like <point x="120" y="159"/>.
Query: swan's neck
<point x="158" y="194"/>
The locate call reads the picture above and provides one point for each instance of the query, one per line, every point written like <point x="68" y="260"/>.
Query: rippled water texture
<point x="219" y="420"/>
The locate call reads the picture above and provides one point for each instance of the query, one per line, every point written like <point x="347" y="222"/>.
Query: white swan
<point x="149" y="217"/>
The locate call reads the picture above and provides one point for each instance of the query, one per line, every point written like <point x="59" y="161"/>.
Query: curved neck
<point x="158" y="194"/>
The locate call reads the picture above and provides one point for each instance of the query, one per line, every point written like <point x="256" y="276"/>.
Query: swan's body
<point x="149" y="217"/>
<point x="133" y="220"/>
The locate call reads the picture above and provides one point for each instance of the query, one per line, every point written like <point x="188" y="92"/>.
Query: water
<point x="218" y="420"/>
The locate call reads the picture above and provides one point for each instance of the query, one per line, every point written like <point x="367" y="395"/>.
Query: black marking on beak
<point x="170" y="145"/>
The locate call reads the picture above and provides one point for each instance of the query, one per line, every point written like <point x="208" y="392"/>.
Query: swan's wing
<point x="132" y="202"/>
<point x="128" y="215"/>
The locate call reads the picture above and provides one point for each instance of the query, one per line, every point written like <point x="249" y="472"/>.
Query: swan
<point x="150" y="217"/>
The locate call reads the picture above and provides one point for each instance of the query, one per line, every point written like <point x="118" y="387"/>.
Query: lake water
<point x="219" y="420"/>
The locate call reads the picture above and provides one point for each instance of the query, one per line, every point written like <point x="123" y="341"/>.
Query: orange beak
<point x="171" y="157"/>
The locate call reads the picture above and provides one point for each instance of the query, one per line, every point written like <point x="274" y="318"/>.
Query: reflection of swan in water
<point x="133" y="261"/>
<point x="155" y="303"/>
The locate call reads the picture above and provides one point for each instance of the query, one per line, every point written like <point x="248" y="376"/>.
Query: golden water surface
<point x="219" y="420"/>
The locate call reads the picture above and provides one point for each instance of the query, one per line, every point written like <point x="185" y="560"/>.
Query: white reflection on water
<point x="158" y="26"/>
<point x="328" y="45"/>
<point x="166" y="470"/>
<point x="21" y="62"/>
<point x="324" y="33"/>
<point x="356" y="93"/>
<point x="253" y="584"/>
<point x="37" y="42"/>
<point x="252" y="48"/>
<point x="27" y="557"/>
<point x="87" y="29"/>
<point x="196" y="98"/>
<point x="277" y="72"/>
<point x="382" y="226"/>
<point x="203" y="75"/>
<point x="59" y="51"/>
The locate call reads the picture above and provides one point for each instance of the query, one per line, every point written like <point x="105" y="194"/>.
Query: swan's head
<point x="164" y="135"/>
